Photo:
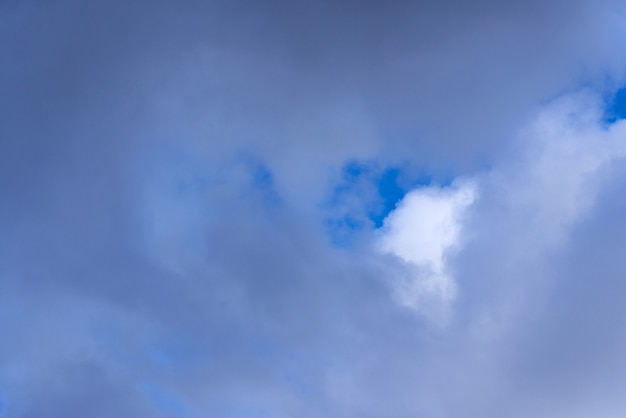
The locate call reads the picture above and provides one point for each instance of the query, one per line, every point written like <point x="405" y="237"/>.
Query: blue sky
<point x="367" y="193"/>
<point x="616" y="108"/>
<point x="312" y="209"/>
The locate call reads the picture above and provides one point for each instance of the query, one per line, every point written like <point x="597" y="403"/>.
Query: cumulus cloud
<point x="421" y="231"/>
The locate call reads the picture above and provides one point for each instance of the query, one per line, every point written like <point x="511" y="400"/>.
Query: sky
<point x="315" y="208"/>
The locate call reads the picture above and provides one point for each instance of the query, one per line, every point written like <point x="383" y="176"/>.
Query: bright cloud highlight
<point x="421" y="231"/>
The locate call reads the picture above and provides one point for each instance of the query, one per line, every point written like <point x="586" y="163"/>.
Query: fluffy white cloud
<point x="421" y="231"/>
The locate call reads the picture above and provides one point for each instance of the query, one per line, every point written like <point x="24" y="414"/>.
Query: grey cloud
<point x="573" y="341"/>
<point x="111" y="110"/>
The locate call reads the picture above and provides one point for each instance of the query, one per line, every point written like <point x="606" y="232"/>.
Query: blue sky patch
<point x="616" y="107"/>
<point x="365" y="195"/>
<point x="390" y="193"/>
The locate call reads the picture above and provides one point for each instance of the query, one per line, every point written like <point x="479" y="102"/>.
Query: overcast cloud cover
<point x="312" y="209"/>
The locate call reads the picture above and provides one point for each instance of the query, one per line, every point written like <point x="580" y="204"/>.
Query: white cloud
<point x="543" y="189"/>
<point x="421" y="231"/>
<point x="532" y="202"/>
<point x="553" y="179"/>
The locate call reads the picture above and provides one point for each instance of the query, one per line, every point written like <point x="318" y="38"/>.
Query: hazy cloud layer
<point x="168" y="171"/>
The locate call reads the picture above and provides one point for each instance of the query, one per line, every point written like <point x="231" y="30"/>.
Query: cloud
<point x="163" y="173"/>
<point x="423" y="228"/>
<point x="520" y="296"/>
